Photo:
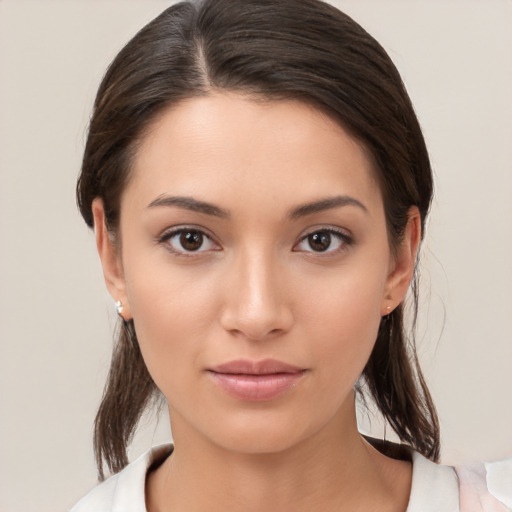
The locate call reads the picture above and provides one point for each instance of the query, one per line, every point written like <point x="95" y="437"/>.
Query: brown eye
<point x="319" y="241"/>
<point x="183" y="241"/>
<point x="191" y="240"/>
<point x="324" y="241"/>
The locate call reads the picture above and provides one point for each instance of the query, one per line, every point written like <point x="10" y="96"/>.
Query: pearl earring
<point x="119" y="308"/>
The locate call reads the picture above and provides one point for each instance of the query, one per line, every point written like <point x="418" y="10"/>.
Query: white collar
<point x="434" y="487"/>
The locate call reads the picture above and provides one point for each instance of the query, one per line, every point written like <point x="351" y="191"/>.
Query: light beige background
<point x="56" y="319"/>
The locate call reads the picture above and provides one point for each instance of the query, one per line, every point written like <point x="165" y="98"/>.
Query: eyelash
<point x="168" y="235"/>
<point x="344" y="239"/>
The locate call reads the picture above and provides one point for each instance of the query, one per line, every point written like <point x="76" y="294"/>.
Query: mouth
<point x="256" y="381"/>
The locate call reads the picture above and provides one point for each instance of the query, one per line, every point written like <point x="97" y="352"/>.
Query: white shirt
<point x="435" y="488"/>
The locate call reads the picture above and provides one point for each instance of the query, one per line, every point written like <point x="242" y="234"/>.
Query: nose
<point x="256" y="304"/>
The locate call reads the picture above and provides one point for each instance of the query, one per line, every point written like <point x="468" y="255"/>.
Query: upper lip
<point x="263" y="367"/>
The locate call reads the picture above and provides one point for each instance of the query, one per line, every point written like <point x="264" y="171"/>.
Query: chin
<point x="258" y="442"/>
<point x="263" y="433"/>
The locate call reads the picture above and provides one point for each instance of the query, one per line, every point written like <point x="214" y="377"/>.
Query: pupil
<point x="320" y="241"/>
<point x="191" y="240"/>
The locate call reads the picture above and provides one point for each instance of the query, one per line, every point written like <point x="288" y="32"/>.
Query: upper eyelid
<point x="343" y="232"/>
<point x="171" y="231"/>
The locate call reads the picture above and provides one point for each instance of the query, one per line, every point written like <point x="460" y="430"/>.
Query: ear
<point x="110" y="257"/>
<point x="403" y="263"/>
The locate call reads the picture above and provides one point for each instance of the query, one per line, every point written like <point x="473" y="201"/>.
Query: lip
<point x="256" y="381"/>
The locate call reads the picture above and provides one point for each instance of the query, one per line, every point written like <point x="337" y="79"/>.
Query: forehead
<point x="227" y="145"/>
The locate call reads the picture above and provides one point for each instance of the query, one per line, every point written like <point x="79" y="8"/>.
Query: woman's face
<point x="256" y="266"/>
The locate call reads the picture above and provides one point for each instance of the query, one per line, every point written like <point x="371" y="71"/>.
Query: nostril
<point x="256" y="326"/>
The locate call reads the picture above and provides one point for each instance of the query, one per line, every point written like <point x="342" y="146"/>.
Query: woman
<point x="258" y="184"/>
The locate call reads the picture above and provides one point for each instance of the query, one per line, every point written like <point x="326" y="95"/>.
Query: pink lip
<point x="256" y="381"/>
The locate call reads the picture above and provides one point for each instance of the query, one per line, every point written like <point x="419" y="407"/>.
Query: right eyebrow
<point x="189" y="203"/>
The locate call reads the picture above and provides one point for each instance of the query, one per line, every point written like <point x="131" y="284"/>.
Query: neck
<point x="336" y="469"/>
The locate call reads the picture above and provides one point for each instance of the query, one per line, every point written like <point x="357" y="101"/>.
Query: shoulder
<point x="100" y="498"/>
<point x="484" y="487"/>
<point x="124" y="490"/>
<point x="434" y="487"/>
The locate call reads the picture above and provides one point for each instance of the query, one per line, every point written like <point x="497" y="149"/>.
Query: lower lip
<point x="256" y="388"/>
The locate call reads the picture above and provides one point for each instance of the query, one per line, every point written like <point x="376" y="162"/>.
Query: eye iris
<point x="191" y="240"/>
<point x="320" y="241"/>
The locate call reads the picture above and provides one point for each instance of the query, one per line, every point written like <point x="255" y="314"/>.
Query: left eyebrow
<point x="325" y="204"/>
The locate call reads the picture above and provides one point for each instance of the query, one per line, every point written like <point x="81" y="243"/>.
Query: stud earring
<point x="119" y="308"/>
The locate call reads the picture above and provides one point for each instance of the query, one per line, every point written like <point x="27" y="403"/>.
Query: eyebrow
<point x="189" y="203"/>
<point x="326" y="204"/>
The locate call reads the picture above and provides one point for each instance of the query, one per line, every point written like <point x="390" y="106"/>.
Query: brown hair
<point x="274" y="49"/>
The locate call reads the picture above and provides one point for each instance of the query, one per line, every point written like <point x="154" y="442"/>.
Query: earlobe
<point x="110" y="258"/>
<point x="404" y="263"/>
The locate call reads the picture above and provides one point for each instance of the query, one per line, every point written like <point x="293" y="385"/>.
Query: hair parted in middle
<point x="269" y="50"/>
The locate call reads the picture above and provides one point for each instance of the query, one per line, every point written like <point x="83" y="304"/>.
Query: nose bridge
<point x="259" y="281"/>
<point x="256" y="303"/>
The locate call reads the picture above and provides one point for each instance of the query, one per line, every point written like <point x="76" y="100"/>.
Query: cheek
<point x="172" y="315"/>
<point x="344" y="319"/>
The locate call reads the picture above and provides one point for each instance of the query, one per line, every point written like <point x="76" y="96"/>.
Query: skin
<point x="258" y="288"/>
